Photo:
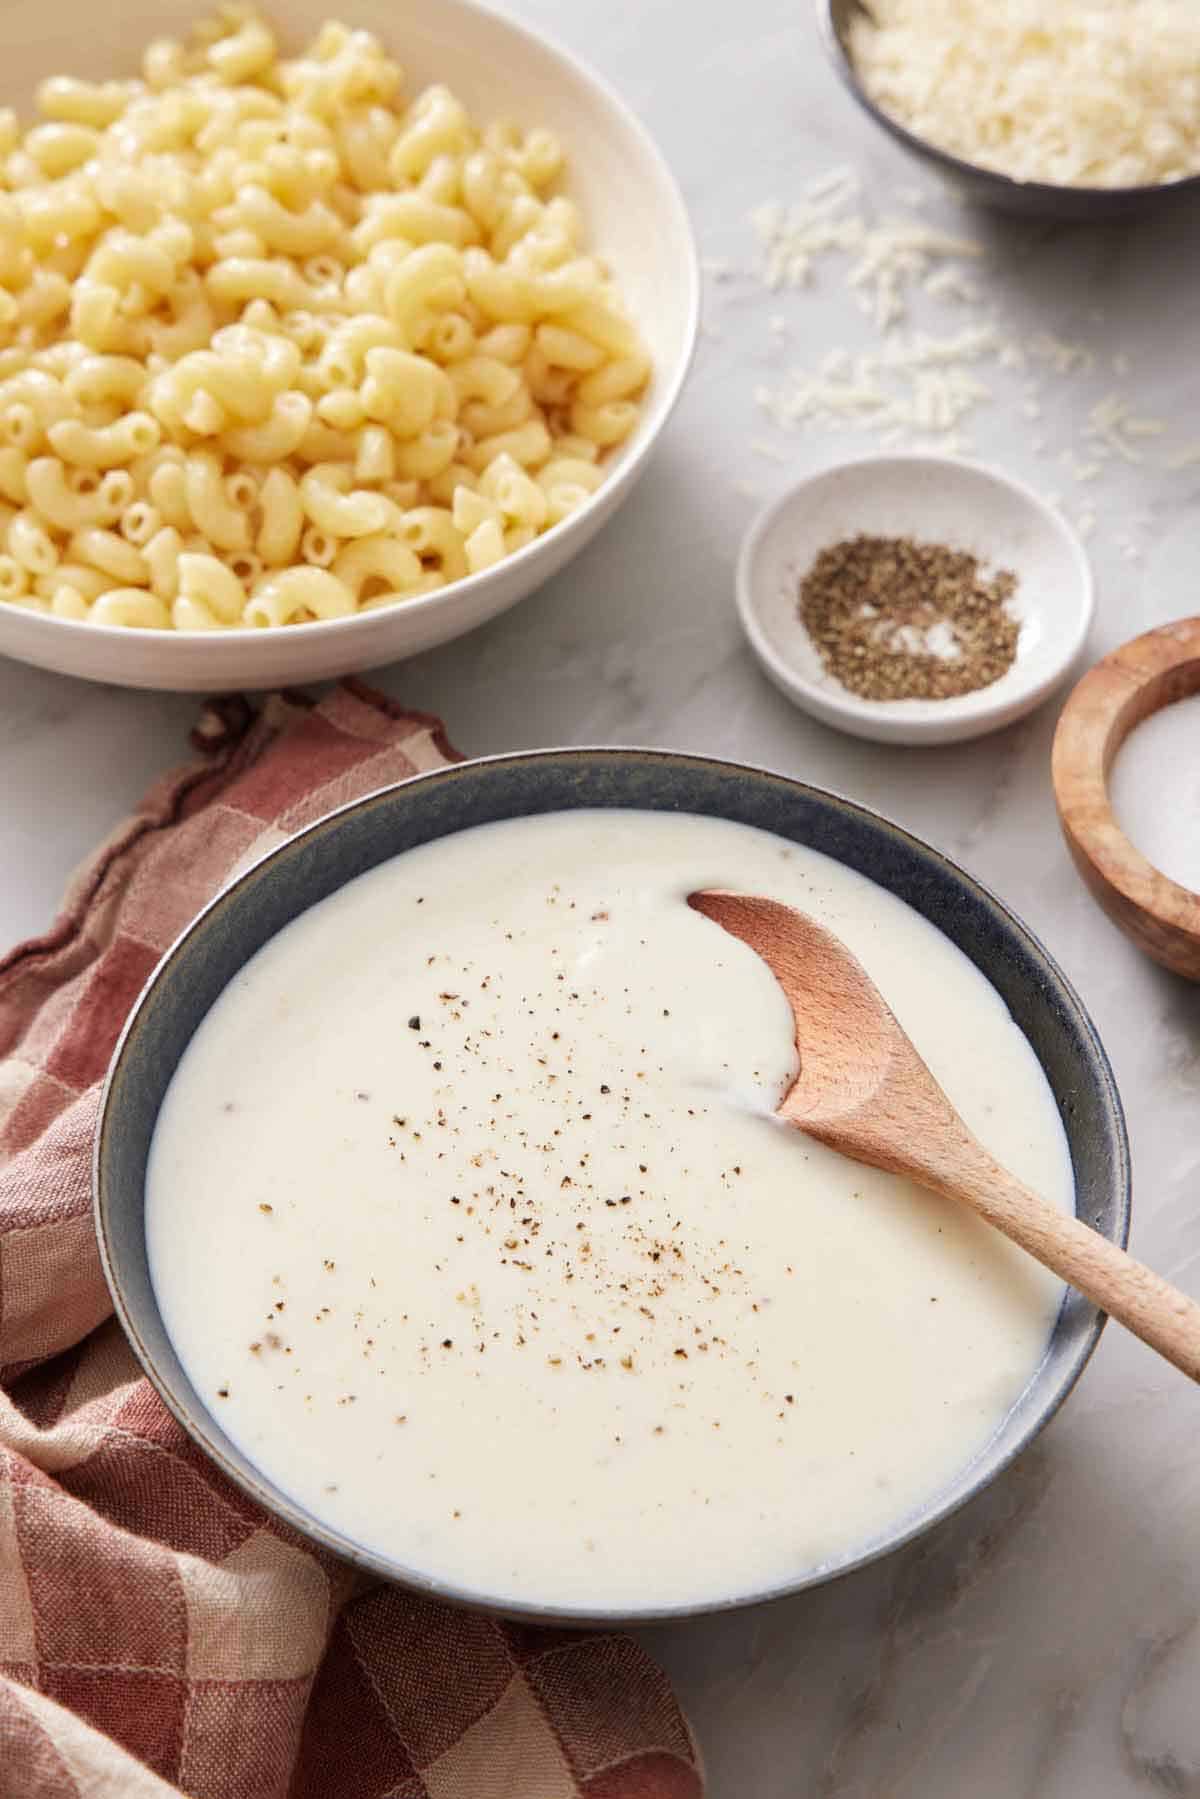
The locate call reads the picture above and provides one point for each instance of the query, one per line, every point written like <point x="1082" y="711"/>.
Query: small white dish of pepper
<point x="914" y="599"/>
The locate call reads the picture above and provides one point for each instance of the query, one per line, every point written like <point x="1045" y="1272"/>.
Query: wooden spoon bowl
<point x="1157" y="914"/>
<point x="863" y="1090"/>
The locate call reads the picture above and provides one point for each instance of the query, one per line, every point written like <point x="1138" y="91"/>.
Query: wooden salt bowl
<point x="1153" y="671"/>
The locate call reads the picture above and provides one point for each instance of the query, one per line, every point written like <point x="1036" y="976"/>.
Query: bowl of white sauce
<point x="440" y="1195"/>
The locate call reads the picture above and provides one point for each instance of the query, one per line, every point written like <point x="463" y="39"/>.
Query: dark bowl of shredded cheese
<point x="1102" y="129"/>
<point x="914" y="599"/>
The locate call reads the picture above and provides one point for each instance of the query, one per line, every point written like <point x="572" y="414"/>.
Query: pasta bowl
<point x="319" y="861"/>
<point x="634" y="219"/>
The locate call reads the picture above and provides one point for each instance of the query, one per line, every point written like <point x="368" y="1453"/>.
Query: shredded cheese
<point x="1100" y="93"/>
<point x="924" y="387"/>
<point x="1114" y="429"/>
<point x="889" y="256"/>
<point x="917" y="383"/>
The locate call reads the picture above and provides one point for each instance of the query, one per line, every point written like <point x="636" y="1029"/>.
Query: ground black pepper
<point x="893" y="618"/>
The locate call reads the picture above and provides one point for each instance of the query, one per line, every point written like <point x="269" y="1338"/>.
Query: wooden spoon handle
<point x="1160" y="1314"/>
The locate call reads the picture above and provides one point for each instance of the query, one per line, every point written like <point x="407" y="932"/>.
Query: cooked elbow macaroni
<point x="278" y="345"/>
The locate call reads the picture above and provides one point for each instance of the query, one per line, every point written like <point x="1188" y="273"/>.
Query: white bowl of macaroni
<point x="316" y="350"/>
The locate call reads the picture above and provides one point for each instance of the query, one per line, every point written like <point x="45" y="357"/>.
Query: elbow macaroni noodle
<point x="278" y="345"/>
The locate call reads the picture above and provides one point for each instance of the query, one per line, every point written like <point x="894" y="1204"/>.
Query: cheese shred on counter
<point x="1103" y="93"/>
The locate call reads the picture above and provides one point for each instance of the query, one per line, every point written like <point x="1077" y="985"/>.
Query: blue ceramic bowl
<point x="989" y="187"/>
<point x="359" y="837"/>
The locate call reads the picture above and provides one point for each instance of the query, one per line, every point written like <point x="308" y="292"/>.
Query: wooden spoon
<point x="863" y="1089"/>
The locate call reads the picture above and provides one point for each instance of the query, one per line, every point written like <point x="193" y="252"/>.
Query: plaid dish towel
<point x="158" y="1633"/>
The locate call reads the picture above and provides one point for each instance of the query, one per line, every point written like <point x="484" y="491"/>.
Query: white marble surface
<point x="1047" y="1641"/>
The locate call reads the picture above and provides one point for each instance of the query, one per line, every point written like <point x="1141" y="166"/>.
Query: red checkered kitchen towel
<point x="159" y="1633"/>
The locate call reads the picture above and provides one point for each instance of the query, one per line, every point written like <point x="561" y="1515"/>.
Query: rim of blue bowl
<point x="1045" y="198"/>
<point x="258" y="1488"/>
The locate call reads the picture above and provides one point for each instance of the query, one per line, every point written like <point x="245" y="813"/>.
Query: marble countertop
<point x="1046" y="1642"/>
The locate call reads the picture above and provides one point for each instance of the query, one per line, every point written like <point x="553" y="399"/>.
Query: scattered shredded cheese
<point x="922" y="389"/>
<point x="1115" y="429"/>
<point x="889" y="256"/>
<point x="1082" y="470"/>
<point x="949" y="283"/>
<point x="920" y="383"/>
<point x="1063" y="358"/>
